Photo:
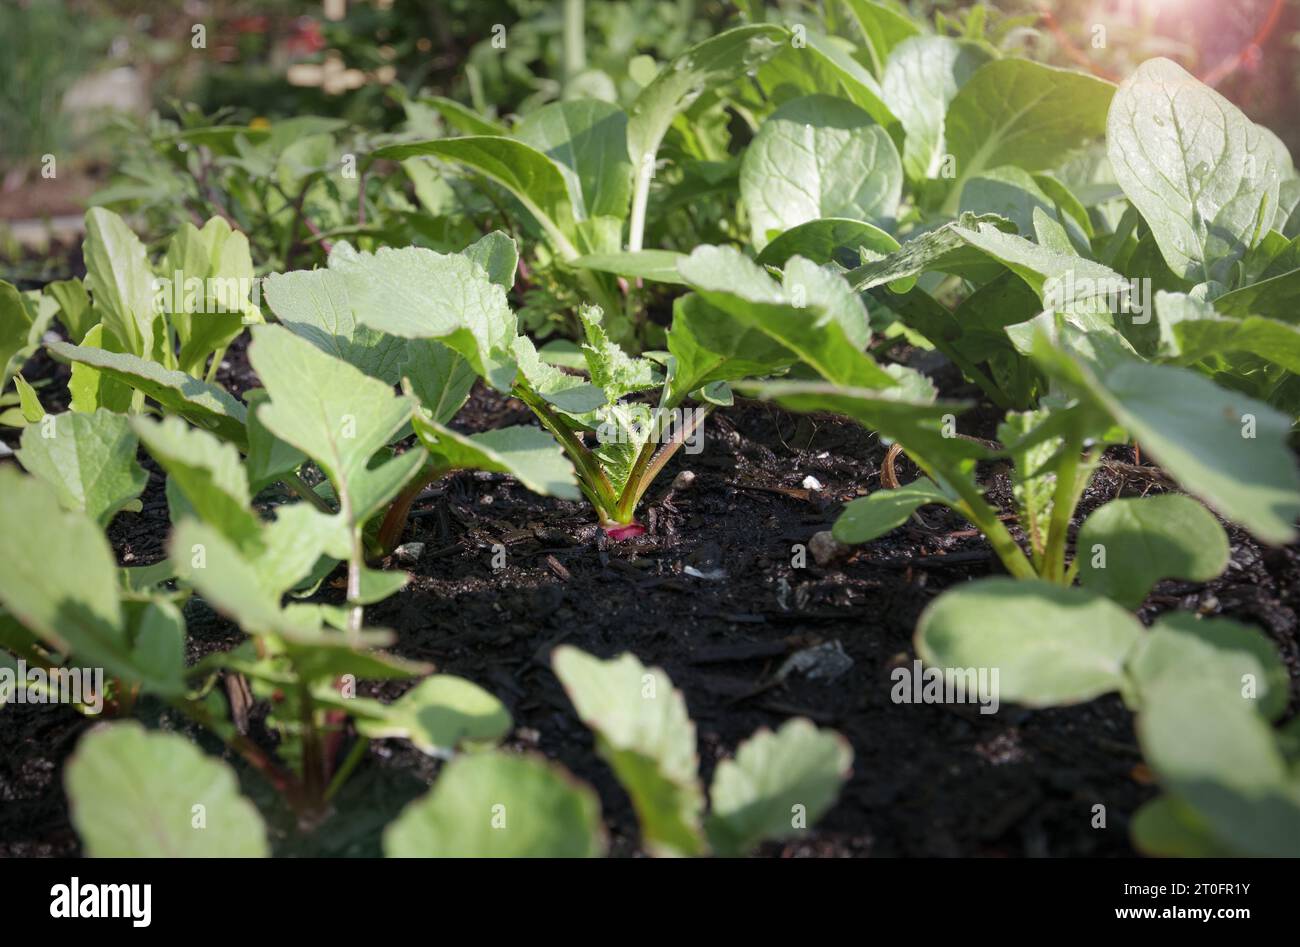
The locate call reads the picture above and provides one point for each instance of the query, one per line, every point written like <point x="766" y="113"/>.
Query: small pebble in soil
<point x="826" y="549"/>
<point x="683" y="480"/>
<point x="409" y="553"/>
<point x="811" y="483"/>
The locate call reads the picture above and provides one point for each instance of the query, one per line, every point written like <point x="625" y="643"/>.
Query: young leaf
<point x="60" y="581"/>
<point x="656" y="266"/>
<point x="441" y="714"/>
<point x="1128" y="545"/>
<point x="120" y="281"/>
<point x="1203" y="175"/>
<point x="492" y="805"/>
<point x="707" y="346"/>
<point x="644" y="734"/>
<point x="89" y="460"/>
<point x="1050" y="645"/>
<point x="22" y="325"/>
<point x="587" y="139"/>
<point x="219" y="258"/>
<point x="868" y="517"/>
<point x="1022" y="113"/>
<point x="336" y="415"/>
<point x="528" y="454"/>
<point x="707" y="65"/>
<point x="202" y="404"/>
<point x="817" y="157"/>
<point x="74" y="307"/>
<point x="134" y="794"/>
<point x="828" y="240"/>
<point x="921" y="78"/>
<point x="1182" y="646"/>
<point x="754" y="794"/>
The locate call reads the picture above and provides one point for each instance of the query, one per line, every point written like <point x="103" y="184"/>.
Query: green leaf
<point x="208" y="472"/>
<point x="657" y="266"/>
<point x="22" y="325"/>
<point x="269" y="458"/>
<point x="1022" y="113"/>
<point x="708" y="346"/>
<point x="1276" y="297"/>
<point x="336" y="415"/>
<point x="316" y="305"/>
<point x="828" y="240"/>
<point x="883" y="28"/>
<point x="871" y="516"/>
<point x="817" y="157"/>
<point x="441" y="714"/>
<point x="812" y="312"/>
<point x="213" y="314"/>
<point x="119" y="280"/>
<point x="1182" y="646"/>
<point x="1167" y="828"/>
<point x="1128" y="545"/>
<point x="498" y="254"/>
<point x="799" y="768"/>
<point x="944" y="249"/>
<point x="611" y="369"/>
<point x="89" y="388"/>
<point x="492" y="805"/>
<point x="1221" y="446"/>
<point x="438" y="377"/>
<point x="529" y="454"/>
<point x="89" y="460"/>
<point x="1048" y="645"/>
<point x="920" y="79"/>
<point x="202" y="404"/>
<point x="415" y="293"/>
<point x="644" y="734"/>
<point x="74" y="307"/>
<point x="1203" y="176"/>
<point x="587" y="139"/>
<point x="1215" y="754"/>
<point x="533" y="178"/>
<point x="462" y="117"/>
<point x="1191" y="330"/>
<point x="29" y="402"/>
<point x="72" y="606"/>
<point x="136" y="794"/>
<point x="858" y="85"/>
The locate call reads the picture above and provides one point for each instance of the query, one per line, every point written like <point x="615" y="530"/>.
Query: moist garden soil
<point x="928" y="780"/>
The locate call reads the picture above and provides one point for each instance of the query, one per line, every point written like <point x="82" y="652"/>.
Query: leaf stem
<point x="299" y="486"/>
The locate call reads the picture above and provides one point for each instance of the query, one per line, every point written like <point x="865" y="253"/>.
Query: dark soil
<point x="927" y="780"/>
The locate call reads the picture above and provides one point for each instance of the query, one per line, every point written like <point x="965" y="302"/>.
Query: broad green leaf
<point x="533" y="178"/>
<point x="529" y="454"/>
<point x="1204" y="177"/>
<point x="74" y="307"/>
<point x="921" y="78"/>
<point x="317" y="306"/>
<point x="1276" y="297"/>
<point x="208" y="472"/>
<point x="28" y="401"/>
<point x="1016" y="195"/>
<point x="441" y="714"/>
<point x="133" y="794"/>
<point x="498" y="254"/>
<point x="1192" y="331"/>
<point x="868" y="517"/>
<point x="587" y="139"/>
<point x="1048" y="645"/>
<point x="1215" y="754"/>
<point x="944" y="249"/>
<point x="269" y="458"/>
<point x="1128" y="545"/>
<point x="644" y="734"/>
<point x="799" y="768"/>
<point x="1167" y="828"/>
<point x="416" y="293"/>
<point x="883" y="27"/>
<point x="205" y="405"/>
<point x="493" y="805"/>
<point x="91" y="389"/>
<point x="60" y="581"/>
<point x="335" y="414"/>
<point x="89" y="460"/>
<point x="818" y="157"/>
<point x="657" y="266"/>
<point x="23" y="323"/>
<point x="119" y="280"/>
<point x="1221" y="446"/>
<point x="708" y="346"/>
<point x="440" y="378"/>
<point x="462" y="117"/>
<point x="1182" y="646"/>
<point x="209" y="273"/>
<point x="158" y="650"/>
<point x="828" y="240"/>
<point x="812" y="312"/>
<point x="1022" y="113"/>
<point x="858" y="85"/>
